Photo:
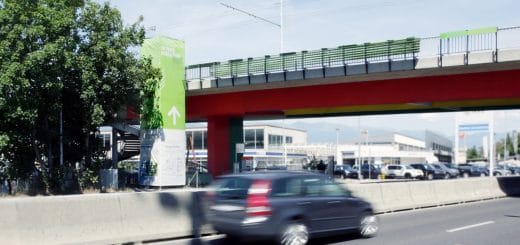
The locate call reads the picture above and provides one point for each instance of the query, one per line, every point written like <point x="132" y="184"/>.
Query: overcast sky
<point x="213" y="32"/>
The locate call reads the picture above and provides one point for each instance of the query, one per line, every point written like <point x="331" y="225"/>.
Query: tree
<point x="74" y="58"/>
<point x="472" y="153"/>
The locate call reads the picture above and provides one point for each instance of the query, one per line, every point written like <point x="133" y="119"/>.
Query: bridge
<point x="455" y="71"/>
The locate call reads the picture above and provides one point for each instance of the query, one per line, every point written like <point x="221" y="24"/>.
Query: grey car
<point x="289" y="207"/>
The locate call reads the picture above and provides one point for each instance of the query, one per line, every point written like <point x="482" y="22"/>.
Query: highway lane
<point x="487" y="222"/>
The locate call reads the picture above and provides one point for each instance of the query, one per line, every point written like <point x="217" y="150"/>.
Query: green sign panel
<point x="168" y="55"/>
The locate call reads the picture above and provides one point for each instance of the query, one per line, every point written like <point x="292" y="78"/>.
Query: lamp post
<point x="365" y="135"/>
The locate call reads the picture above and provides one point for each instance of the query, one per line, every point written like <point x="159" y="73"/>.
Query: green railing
<point x="340" y="56"/>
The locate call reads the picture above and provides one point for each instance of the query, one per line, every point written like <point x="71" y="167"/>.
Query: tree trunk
<point x="88" y="156"/>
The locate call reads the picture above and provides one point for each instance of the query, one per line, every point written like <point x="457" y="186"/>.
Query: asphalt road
<point x="488" y="222"/>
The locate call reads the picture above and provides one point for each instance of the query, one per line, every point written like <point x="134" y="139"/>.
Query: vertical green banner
<point x="168" y="55"/>
<point x="162" y="161"/>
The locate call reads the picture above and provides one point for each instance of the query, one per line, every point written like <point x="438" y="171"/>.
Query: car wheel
<point x="369" y="226"/>
<point x="498" y="174"/>
<point x="294" y="233"/>
<point x="446" y="176"/>
<point x="429" y="176"/>
<point x="482" y="174"/>
<point x="465" y="175"/>
<point x="407" y="176"/>
<point x="343" y="176"/>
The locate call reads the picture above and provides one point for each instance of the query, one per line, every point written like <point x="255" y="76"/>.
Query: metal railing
<point x="409" y="49"/>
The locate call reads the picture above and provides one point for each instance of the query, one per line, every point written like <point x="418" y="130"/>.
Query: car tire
<point x="294" y="233"/>
<point x="446" y="176"/>
<point x="429" y="176"/>
<point x="465" y="175"/>
<point x="498" y="174"/>
<point x="482" y="174"/>
<point x="368" y="225"/>
<point x="407" y="176"/>
<point x="343" y="176"/>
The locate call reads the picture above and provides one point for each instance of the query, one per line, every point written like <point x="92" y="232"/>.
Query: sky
<point x="213" y="32"/>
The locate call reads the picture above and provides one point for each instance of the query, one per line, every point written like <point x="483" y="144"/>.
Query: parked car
<point x="514" y="170"/>
<point x="468" y="170"/>
<point x="342" y="170"/>
<point x="450" y="172"/>
<point x="501" y="171"/>
<point x="429" y="171"/>
<point x="290" y="207"/>
<point x="401" y="171"/>
<point x="368" y="171"/>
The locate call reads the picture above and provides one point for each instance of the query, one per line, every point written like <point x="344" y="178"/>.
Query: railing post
<point x="248" y="70"/>
<point x="388" y="55"/>
<point x="466" y="55"/>
<point x="303" y="63"/>
<point x="323" y="50"/>
<point x="200" y="76"/>
<point x="366" y="58"/>
<point x="343" y="60"/>
<point x="439" y="63"/>
<point x="496" y="46"/>
<point x="265" y="69"/>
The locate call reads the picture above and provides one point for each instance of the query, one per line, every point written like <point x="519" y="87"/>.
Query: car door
<point x="330" y="204"/>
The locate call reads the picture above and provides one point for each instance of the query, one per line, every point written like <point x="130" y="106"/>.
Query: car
<point x="501" y="171"/>
<point x="429" y="171"/>
<point x="468" y="170"/>
<point x="342" y="170"/>
<point x="514" y="170"/>
<point x="450" y="172"/>
<point x="289" y="207"/>
<point x="402" y="171"/>
<point x="368" y="171"/>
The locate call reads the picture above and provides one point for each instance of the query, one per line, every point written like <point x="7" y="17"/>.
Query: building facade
<point x="265" y="146"/>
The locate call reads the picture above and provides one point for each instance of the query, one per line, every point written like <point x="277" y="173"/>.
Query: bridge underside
<point x="490" y="86"/>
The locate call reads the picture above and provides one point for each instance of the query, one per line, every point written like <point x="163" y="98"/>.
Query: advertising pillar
<point x="162" y="161"/>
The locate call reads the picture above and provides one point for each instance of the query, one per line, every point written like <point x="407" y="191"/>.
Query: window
<point x="259" y="138"/>
<point x="197" y="140"/>
<point x="332" y="190"/>
<point x="275" y="139"/>
<point x="249" y="139"/>
<point x="289" y="187"/>
<point x="288" y="139"/>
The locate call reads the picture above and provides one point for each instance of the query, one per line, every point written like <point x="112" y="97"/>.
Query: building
<point x="386" y="149"/>
<point x="441" y="146"/>
<point x="265" y="146"/>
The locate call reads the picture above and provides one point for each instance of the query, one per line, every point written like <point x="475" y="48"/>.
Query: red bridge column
<point x="223" y="134"/>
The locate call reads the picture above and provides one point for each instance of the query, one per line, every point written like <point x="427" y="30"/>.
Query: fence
<point x="398" y="52"/>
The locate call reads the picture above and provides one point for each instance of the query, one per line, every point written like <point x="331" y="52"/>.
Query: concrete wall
<point x="396" y="196"/>
<point x="135" y="217"/>
<point x="100" y="218"/>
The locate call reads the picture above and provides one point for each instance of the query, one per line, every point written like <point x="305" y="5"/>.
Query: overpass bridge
<point x="464" y="70"/>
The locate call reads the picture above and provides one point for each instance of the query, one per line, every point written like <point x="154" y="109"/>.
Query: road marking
<point x="470" y="226"/>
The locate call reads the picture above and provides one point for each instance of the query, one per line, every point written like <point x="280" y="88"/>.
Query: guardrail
<point x="391" y="54"/>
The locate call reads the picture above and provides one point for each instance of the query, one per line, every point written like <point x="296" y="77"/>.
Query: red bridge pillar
<point x="224" y="133"/>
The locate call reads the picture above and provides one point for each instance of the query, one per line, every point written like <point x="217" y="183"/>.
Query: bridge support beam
<point x="223" y="134"/>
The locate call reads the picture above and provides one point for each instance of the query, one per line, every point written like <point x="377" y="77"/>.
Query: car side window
<point x="288" y="187"/>
<point x="333" y="190"/>
<point x="312" y="186"/>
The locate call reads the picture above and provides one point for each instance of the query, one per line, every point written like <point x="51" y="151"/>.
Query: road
<point x="487" y="222"/>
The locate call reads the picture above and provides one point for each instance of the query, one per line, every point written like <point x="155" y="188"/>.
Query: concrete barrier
<point x="101" y="218"/>
<point x="395" y="196"/>
<point x="134" y="217"/>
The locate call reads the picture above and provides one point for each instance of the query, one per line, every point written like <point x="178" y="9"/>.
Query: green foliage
<point x="472" y="153"/>
<point x="70" y="57"/>
<point x="151" y="117"/>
